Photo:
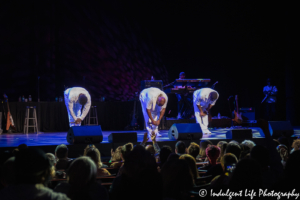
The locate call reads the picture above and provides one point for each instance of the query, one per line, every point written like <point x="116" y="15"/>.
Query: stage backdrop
<point x="61" y="44"/>
<point x="108" y="47"/>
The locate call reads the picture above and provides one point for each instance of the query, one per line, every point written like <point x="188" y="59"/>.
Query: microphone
<point x="229" y="98"/>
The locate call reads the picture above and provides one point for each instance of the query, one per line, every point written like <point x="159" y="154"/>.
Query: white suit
<point x="73" y="105"/>
<point x="148" y="98"/>
<point x="201" y="98"/>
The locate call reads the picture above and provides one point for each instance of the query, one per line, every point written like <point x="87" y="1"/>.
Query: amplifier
<point x="247" y="113"/>
<point x="149" y="83"/>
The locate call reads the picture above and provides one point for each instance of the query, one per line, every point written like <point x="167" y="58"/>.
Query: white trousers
<point x="76" y="108"/>
<point x="155" y="115"/>
<point x="203" y="121"/>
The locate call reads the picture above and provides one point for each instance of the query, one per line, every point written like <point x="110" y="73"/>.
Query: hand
<point x="153" y="136"/>
<point x="156" y="123"/>
<point x="78" y="121"/>
<point x="202" y="114"/>
<point x="145" y="139"/>
<point x="283" y="154"/>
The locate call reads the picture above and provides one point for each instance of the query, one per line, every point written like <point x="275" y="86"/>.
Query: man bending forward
<point x="78" y="103"/>
<point x="204" y="99"/>
<point x="154" y="103"/>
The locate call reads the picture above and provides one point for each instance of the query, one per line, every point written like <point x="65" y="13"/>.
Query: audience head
<point x="81" y="175"/>
<point x="228" y="159"/>
<point x="173" y="156"/>
<point x="32" y="166"/>
<point x="177" y="179"/>
<point x="22" y="146"/>
<point x="150" y="148"/>
<point x="180" y="148"/>
<point x="292" y="167"/>
<point x="15" y="151"/>
<point x="245" y="150"/>
<point x="285" y="141"/>
<point x="94" y="154"/>
<point x="8" y="172"/>
<point x="139" y="147"/>
<point x="148" y="180"/>
<point x="261" y="155"/>
<point x="82" y="171"/>
<point x="194" y="149"/>
<point x="246" y="175"/>
<point x="234" y="149"/>
<point x="296" y="145"/>
<point x="222" y="145"/>
<point x="164" y="153"/>
<point x="192" y="164"/>
<point x="248" y="143"/>
<point x="61" y="151"/>
<point x="203" y="145"/>
<point x="281" y="146"/>
<point x="126" y="149"/>
<point x="52" y="161"/>
<point x="213" y="153"/>
<point x="51" y="158"/>
<point x="117" y="155"/>
<point x="234" y="141"/>
<point x="137" y="160"/>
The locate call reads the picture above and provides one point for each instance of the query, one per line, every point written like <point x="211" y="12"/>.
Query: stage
<point x="49" y="140"/>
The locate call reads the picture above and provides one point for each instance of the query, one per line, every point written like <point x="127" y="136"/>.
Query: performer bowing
<point x="78" y="103"/>
<point x="154" y="103"/>
<point x="204" y="99"/>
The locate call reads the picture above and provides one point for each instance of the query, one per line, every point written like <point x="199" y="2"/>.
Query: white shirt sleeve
<point x="73" y="98"/>
<point x="70" y="104"/>
<point x="149" y="103"/>
<point x="86" y="108"/>
<point x="198" y="98"/>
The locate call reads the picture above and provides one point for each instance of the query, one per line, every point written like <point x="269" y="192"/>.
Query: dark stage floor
<point x="45" y="139"/>
<point x="48" y="141"/>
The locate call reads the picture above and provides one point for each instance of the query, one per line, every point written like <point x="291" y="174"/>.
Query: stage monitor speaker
<point x="151" y="83"/>
<point x="281" y="128"/>
<point x="85" y="135"/>
<point x="235" y="134"/>
<point x="122" y="137"/>
<point x="247" y="113"/>
<point x="189" y="131"/>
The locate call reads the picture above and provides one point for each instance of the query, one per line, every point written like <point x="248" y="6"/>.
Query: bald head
<point x="161" y="101"/>
<point x="213" y="96"/>
<point x="82" y="99"/>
